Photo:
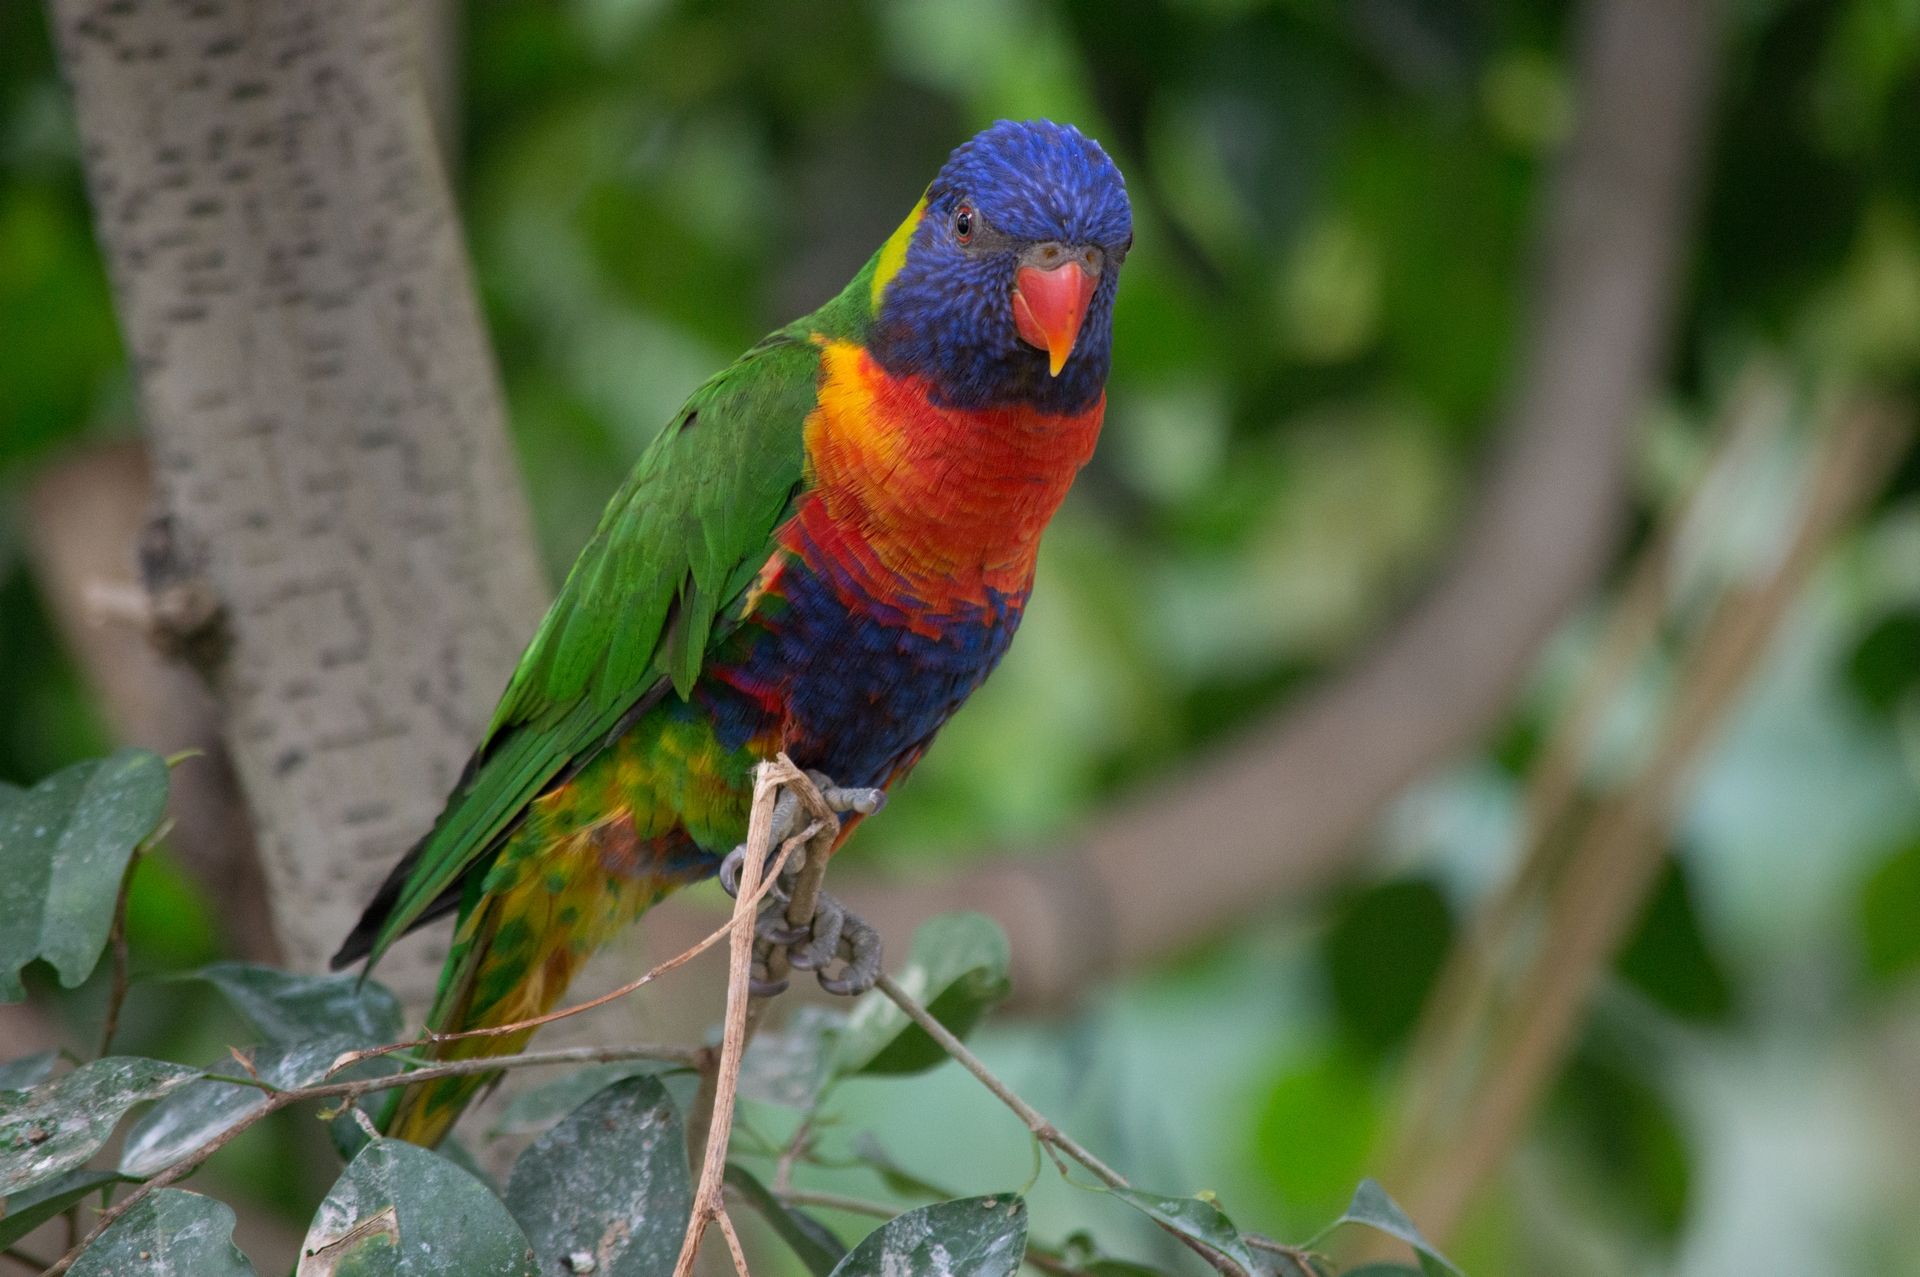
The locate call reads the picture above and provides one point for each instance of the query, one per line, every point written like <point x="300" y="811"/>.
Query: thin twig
<point x="708" y="1203"/>
<point x="835" y="1201"/>
<point x="1309" y="1261"/>
<point x="680" y="959"/>
<point x="117" y="944"/>
<point x="1043" y="1130"/>
<point x="796" y="1149"/>
<point x="725" y="1221"/>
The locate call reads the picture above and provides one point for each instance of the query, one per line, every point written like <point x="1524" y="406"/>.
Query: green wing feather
<point x="678" y="544"/>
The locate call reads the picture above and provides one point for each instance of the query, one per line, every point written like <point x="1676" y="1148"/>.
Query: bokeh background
<point x="1316" y="342"/>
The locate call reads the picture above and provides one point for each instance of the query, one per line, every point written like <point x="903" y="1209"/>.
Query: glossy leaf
<point x="610" y="1182"/>
<point x="538" y="1107"/>
<point x="1196" y="1218"/>
<point x="64" y="847"/>
<point x="811" y="1241"/>
<point x="956" y="968"/>
<point x="170" y="1233"/>
<point x="26" y="1211"/>
<point x="198" y="1112"/>
<point x="972" y="1237"/>
<point x="59" y="1124"/>
<point x="402" y="1211"/>
<point x="1372" y="1207"/>
<point x="792" y="1065"/>
<point x="286" y="1008"/>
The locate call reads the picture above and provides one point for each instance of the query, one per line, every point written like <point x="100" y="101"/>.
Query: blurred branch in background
<point x="84" y="515"/>
<point x="1284" y="810"/>
<point x="1504" y="1012"/>
<point x="330" y="443"/>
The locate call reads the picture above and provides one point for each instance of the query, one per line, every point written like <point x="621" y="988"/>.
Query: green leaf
<point x="1372" y="1207"/>
<point x="1382" y="955"/>
<point x="1881" y="670"/>
<point x="28" y="1070"/>
<point x="170" y="1233"/>
<point x="28" y="1210"/>
<point x="790" y="1067"/>
<point x="1668" y="956"/>
<point x="1196" y="1218"/>
<point x="64" y="846"/>
<point x="401" y="1211"/>
<point x="973" y="1237"/>
<point x="809" y="1239"/>
<point x="957" y="968"/>
<point x="539" y="1107"/>
<point x="610" y="1182"/>
<point x="57" y="1125"/>
<point x="197" y="1113"/>
<point x="1888" y="900"/>
<point x="286" y="1008"/>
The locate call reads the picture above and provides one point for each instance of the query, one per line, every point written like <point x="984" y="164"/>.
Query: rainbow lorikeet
<point x="825" y="552"/>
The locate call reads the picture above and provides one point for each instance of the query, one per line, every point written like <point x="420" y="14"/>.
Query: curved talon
<point x="863" y="800"/>
<point x="860" y="946"/>
<point x="772" y="926"/>
<point x="822" y="940"/>
<point x="730" y="868"/>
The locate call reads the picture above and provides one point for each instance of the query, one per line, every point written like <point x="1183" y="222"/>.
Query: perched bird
<point x="825" y="552"/>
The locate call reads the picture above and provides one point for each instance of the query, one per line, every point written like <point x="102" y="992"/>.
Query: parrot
<point x="825" y="552"/>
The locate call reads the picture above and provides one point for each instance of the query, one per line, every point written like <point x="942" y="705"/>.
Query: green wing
<point x="678" y="544"/>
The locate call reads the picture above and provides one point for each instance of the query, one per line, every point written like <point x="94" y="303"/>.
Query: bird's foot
<point x="840" y="800"/>
<point x="833" y="933"/>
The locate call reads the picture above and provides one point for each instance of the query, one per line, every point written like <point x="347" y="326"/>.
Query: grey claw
<point x="823" y="940"/>
<point x="860" y="946"/>
<point x="786" y="808"/>
<point x="730" y="870"/>
<point x="772" y="927"/>
<point x="863" y="800"/>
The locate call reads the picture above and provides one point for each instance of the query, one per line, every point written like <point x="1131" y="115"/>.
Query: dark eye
<point x="963" y="223"/>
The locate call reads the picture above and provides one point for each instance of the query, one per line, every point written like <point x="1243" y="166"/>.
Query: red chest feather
<point x="943" y="505"/>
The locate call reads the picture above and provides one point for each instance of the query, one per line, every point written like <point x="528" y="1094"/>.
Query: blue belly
<point x="856" y="688"/>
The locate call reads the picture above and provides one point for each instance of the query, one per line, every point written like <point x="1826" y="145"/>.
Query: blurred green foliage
<point x="1334" y="202"/>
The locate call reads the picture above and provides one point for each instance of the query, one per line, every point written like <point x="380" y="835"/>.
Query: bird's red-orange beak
<point x="1050" y="304"/>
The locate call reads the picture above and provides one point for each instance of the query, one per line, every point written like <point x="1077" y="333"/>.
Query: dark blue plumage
<point x="944" y="316"/>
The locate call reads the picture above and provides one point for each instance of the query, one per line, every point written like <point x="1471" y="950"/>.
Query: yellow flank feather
<point x="893" y="254"/>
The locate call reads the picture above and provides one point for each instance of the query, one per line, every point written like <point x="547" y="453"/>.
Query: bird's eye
<point x="963" y="223"/>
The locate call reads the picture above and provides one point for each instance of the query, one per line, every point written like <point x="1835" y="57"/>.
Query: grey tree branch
<point x="328" y="438"/>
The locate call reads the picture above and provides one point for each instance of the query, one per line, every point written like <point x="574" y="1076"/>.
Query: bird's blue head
<point x="998" y="289"/>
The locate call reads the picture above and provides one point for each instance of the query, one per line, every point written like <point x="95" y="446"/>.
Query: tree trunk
<point x="344" y="548"/>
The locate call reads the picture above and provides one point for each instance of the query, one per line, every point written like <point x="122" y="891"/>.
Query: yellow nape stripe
<point x="893" y="254"/>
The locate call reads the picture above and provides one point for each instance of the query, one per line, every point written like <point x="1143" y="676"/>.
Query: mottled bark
<point x="346" y="552"/>
<point x="84" y="515"/>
